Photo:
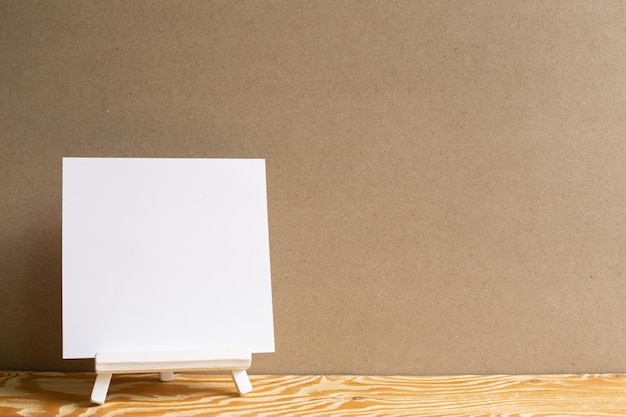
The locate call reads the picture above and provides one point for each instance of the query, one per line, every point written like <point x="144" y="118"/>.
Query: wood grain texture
<point x="67" y="394"/>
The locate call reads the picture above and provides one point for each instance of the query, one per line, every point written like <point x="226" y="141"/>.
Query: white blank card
<point x="165" y="254"/>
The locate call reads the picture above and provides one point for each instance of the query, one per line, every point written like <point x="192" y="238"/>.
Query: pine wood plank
<point x="67" y="394"/>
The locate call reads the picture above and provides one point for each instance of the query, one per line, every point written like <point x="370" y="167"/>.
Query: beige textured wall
<point x="447" y="179"/>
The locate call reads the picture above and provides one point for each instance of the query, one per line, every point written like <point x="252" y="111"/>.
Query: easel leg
<point x="241" y="380"/>
<point x="100" y="388"/>
<point x="166" y="376"/>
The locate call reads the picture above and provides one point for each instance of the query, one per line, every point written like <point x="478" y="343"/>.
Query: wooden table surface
<point x="67" y="394"/>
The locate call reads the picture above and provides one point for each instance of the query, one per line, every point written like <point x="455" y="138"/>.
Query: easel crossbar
<point x="166" y="363"/>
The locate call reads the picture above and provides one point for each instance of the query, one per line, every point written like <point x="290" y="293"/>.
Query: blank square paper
<point x="165" y="254"/>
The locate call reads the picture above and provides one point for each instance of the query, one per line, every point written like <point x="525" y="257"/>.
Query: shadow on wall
<point x="31" y="315"/>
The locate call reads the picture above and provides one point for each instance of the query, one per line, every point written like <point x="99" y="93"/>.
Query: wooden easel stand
<point x="166" y="363"/>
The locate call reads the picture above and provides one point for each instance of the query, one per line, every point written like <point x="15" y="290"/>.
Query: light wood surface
<point x="67" y="394"/>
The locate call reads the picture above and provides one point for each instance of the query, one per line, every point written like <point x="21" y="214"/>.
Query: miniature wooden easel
<point x="166" y="363"/>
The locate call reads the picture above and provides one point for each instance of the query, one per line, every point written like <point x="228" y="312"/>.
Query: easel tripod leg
<point x="100" y="388"/>
<point x="241" y="380"/>
<point x="166" y="376"/>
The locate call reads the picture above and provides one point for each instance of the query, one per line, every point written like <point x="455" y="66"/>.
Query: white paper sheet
<point x="165" y="254"/>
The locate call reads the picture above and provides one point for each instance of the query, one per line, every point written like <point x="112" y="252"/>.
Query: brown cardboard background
<point x="446" y="179"/>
